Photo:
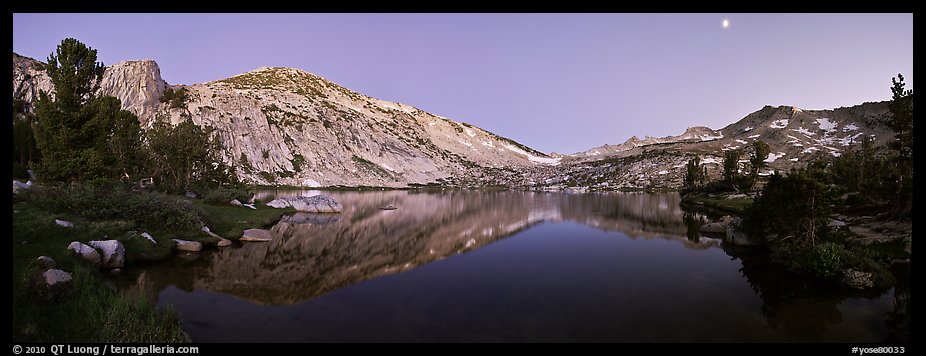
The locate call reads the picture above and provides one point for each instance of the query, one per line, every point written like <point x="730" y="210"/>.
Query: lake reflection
<point x="534" y="267"/>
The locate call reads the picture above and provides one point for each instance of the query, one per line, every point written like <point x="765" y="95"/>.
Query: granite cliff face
<point x="288" y="126"/>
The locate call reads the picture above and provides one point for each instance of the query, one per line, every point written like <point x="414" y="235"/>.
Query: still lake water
<point x="504" y="266"/>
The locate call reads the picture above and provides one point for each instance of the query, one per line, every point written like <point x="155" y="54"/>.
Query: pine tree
<point x="82" y="136"/>
<point x="901" y="121"/>
<point x="760" y="151"/>
<point x="695" y="173"/>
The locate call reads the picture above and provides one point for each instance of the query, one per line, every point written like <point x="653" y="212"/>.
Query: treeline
<point x="792" y="211"/>
<point x="76" y="135"/>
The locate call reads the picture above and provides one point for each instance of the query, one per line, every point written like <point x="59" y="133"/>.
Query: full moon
<point x="725" y="23"/>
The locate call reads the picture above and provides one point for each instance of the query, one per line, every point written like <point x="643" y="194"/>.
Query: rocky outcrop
<point x="86" y="252"/>
<point x="111" y="251"/>
<point x="188" y="246"/>
<point x="137" y="84"/>
<point x="256" y="235"/>
<point x="313" y="204"/>
<point x="29" y="79"/>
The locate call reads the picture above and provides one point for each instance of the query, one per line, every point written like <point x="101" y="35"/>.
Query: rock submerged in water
<point x="857" y="279"/>
<point x="189" y="246"/>
<point x="735" y="235"/>
<point x="313" y="204"/>
<point x="256" y="235"/>
<point x="714" y="228"/>
<point x="86" y="252"/>
<point x="112" y="251"/>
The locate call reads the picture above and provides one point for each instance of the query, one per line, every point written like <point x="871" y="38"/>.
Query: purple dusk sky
<point x="555" y="82"/>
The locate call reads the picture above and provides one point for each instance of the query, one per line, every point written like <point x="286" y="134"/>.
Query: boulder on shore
<point x="86" y="252"/>
<point x="56" y="276"/>
<point x="209" y="232"/>
<point x="45" y="262"/>
<point x="149" y="237"/>
<point x="223" y="242"/>
<point x="189" y="246"/>
<point x="112" y="251"/>
<point x="17" y="186"/>
<point x="313" y="204"/>
<point x="64" y="223"/>
<point x="256" y="235"/>
<point x="235" y="202"/>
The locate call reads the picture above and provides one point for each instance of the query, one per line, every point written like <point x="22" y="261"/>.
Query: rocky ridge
<point x="285" y="126"/>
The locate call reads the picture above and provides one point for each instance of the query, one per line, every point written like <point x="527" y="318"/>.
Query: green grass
<point x="90" y="312"/>
<point x="230" y="221"/>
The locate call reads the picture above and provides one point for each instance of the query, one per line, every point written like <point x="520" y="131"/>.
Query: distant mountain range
<point x="290" y="127"/>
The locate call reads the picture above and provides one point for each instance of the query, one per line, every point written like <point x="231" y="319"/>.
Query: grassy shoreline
<point x="92" y="311"/>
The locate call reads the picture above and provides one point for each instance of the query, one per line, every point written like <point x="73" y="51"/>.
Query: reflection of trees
<point x="693" y="222"/>
<point x="898" y="319"/>
<point x="805" y="308"/>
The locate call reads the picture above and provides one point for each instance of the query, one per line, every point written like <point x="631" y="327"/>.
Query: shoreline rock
<point x="313" y="204"/>
<point x="256" y="235"/>
<point x="112" y="252"/>
<point x="188" y="246"/>
<point x="86" y="252"/>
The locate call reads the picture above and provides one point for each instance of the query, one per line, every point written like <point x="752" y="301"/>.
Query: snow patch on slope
<point x="774" y="156"/>
<point x="827" y="124"/>
<point x="532" y="158"/>
<point x="779" y="124"/>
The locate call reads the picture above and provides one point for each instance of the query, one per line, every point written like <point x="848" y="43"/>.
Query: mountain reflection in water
<point x="553" y="282"/>
<point x="312" y="254"/>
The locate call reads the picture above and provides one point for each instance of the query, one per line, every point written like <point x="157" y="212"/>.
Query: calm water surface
<point x="504" y="266"/>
